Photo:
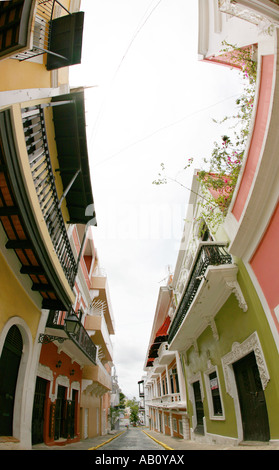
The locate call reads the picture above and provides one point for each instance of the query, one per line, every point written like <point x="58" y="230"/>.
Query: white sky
<point x="152" y="102"/>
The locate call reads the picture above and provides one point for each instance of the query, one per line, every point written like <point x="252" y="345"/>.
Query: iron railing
<point x="41" y="30"/>
<point x="56" y="319"/>
<point x="208" y="255"/>
<point x="44" y="182"/>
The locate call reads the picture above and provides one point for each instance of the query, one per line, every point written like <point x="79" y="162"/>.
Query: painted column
<point x="168" y="380"/>
<point x="185" y="427"/>
<point x="181" y="380"/>
<point x="171" y="424"/>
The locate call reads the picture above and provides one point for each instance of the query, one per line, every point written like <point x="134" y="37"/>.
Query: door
<point x="60" y="413"/>
<point x="199" y="408"/>
<point x="38" y="411"/>
<point x="71" y="415"/>
<point x="252" y="400"/>
<point x="9" y="366"/>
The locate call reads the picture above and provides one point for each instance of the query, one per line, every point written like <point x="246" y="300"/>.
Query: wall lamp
<point x="72" y="326"/>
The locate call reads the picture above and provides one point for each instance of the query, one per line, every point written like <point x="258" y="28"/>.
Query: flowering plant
<point x="224" y="165"/>
<point x="222" y="168"/>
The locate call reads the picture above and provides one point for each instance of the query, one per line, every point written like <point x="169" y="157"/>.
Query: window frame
<point x="212" y="416"/>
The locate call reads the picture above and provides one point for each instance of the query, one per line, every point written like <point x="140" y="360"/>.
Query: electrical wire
<point x="141" y="24"/>
<point x="149" y="136"/>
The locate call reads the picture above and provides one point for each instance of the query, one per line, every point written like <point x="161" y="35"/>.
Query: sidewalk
<point x="93" y="443"/>
<point x="173" y="443"/>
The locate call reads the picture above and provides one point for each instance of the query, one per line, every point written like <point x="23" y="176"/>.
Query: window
<point x="180" y="427"/>
<point x="165" y="386"/>
<point x="174" y="381"/>
<point x="214" y="394"/>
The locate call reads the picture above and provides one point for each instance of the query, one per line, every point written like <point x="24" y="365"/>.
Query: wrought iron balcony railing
<point x="56" y="319"/>
<point x="208" y="255"/>
<point x="44" y="182"/>
<point x="54" y="31"/>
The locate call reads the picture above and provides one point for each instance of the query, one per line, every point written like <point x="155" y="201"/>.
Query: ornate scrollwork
<point x="238" y="351"/>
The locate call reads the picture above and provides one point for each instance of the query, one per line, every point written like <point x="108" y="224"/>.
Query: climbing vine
<point x="221" y="170"/>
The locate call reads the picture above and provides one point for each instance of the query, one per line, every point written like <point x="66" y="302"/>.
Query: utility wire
<point x="149" y="136"/>
<point x="141" y="24"/>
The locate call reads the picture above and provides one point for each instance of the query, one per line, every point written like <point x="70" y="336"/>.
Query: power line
<point x="149" y="136"/>
<point x="141" y="24"/>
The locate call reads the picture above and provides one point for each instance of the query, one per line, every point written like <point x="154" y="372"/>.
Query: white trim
<point x="238" y="351"/>
<point x="25" y="383"/>
<point x="19" y="96"/>
<point x="195" y="378"/>
<point x="211" y="368"/>
<point x="262" y="193"/>
<point x="264" y="303"/>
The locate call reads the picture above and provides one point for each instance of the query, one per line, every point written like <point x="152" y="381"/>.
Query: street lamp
<point x="72" y="324"/>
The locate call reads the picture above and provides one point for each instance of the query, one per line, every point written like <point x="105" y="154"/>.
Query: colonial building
<point x="221" y="332"/>
<point x="56" y="318"/>
<point x="97" y="381"/>
<point x="225" y="322"/>
<point x="164" y="384"/>
<point x="217" y="23"/>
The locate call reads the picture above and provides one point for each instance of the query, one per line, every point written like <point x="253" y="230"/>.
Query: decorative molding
<point x="235" y="287"/>
<point x="265" y="23"/>
<point x="238" y="351"/>
<point x="212" y="324"/>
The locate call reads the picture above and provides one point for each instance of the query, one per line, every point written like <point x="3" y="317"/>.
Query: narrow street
<point x="143" y="439"/>
<point x="132" y="439"/>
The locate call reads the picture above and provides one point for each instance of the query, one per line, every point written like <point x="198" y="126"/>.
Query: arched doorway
<point x="9" y="366"/>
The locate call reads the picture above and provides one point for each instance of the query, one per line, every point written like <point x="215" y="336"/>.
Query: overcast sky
<point x="151" y="101"/>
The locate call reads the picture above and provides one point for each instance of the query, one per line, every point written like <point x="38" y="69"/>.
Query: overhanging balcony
<point x="78" y="345"/>
<point x="170" y="401"/>
<point x="96" y="324"/>
<point x="30" y="28"/>
<point x="212" y="279"/>
<point x="32" y="213"/>
<point x="99" y="282"/>
<point x="165" y="356"/>
<point x="96" y="379"/>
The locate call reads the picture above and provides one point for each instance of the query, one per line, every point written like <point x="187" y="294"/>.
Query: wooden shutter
<point x="65" y="40"/>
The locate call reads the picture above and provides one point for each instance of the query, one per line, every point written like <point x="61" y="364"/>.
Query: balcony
<point x="99" y="282"/>
<point x="30" y="28"/>
<point x="42" y="191"/>
<point x="256" y="12"/>
<point x="169" y="401"/>
<point x="165" y="356"/>
<point x="96" y="379"/>
<point x="96" y="324"/>
<point x="211" y="280"/>
<point x="80" y="346"/>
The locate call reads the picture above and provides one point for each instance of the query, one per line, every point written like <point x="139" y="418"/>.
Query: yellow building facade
<point x="46" y="207"/>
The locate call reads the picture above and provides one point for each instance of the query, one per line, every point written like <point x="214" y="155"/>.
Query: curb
<point x="158" y="442"/>
<point x="103" y="443"/>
